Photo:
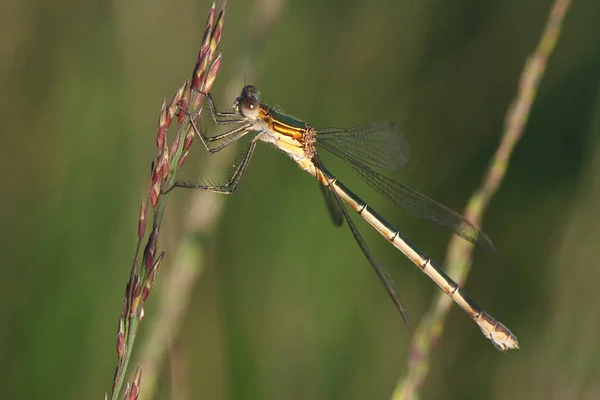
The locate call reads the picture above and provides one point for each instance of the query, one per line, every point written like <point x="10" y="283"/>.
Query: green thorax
<point x="287" y="120"/>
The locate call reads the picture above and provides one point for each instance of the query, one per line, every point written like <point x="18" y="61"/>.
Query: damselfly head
<point x="248" y="104"/>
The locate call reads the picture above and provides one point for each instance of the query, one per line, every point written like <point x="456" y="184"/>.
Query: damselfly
<point x="377" y="144"/>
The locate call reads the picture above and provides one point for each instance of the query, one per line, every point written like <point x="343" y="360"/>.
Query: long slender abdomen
<point x="500" y="336"/>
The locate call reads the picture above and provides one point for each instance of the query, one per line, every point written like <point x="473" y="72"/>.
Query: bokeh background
<point x="285" y="305"/>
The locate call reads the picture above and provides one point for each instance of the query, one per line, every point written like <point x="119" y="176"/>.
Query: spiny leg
<point x="229" y="115"/>
<point x="231" y="185"/>
<point x="232" y="135"/>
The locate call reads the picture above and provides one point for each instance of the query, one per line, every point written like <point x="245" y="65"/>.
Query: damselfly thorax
<point x="376" y="145"/>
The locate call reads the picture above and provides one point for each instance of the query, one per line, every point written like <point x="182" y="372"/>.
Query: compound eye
<point x="249" y="108"/>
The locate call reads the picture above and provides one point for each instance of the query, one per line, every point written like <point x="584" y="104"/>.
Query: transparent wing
<point x="382" y="274"/>
<point x="337" y="216"/>
<point x="379" y="144"/>
<point x="422" y="206"/>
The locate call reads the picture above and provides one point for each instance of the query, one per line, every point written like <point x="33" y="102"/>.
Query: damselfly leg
<point x="378" y="145"/>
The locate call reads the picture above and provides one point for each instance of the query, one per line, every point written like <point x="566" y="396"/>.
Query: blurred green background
<point x="286" y="306"/>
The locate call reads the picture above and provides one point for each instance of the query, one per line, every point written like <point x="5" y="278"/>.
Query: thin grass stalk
<point x="188" y="263"/>
<point x="166" y="164"/>
<point x="458" y="256"/>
